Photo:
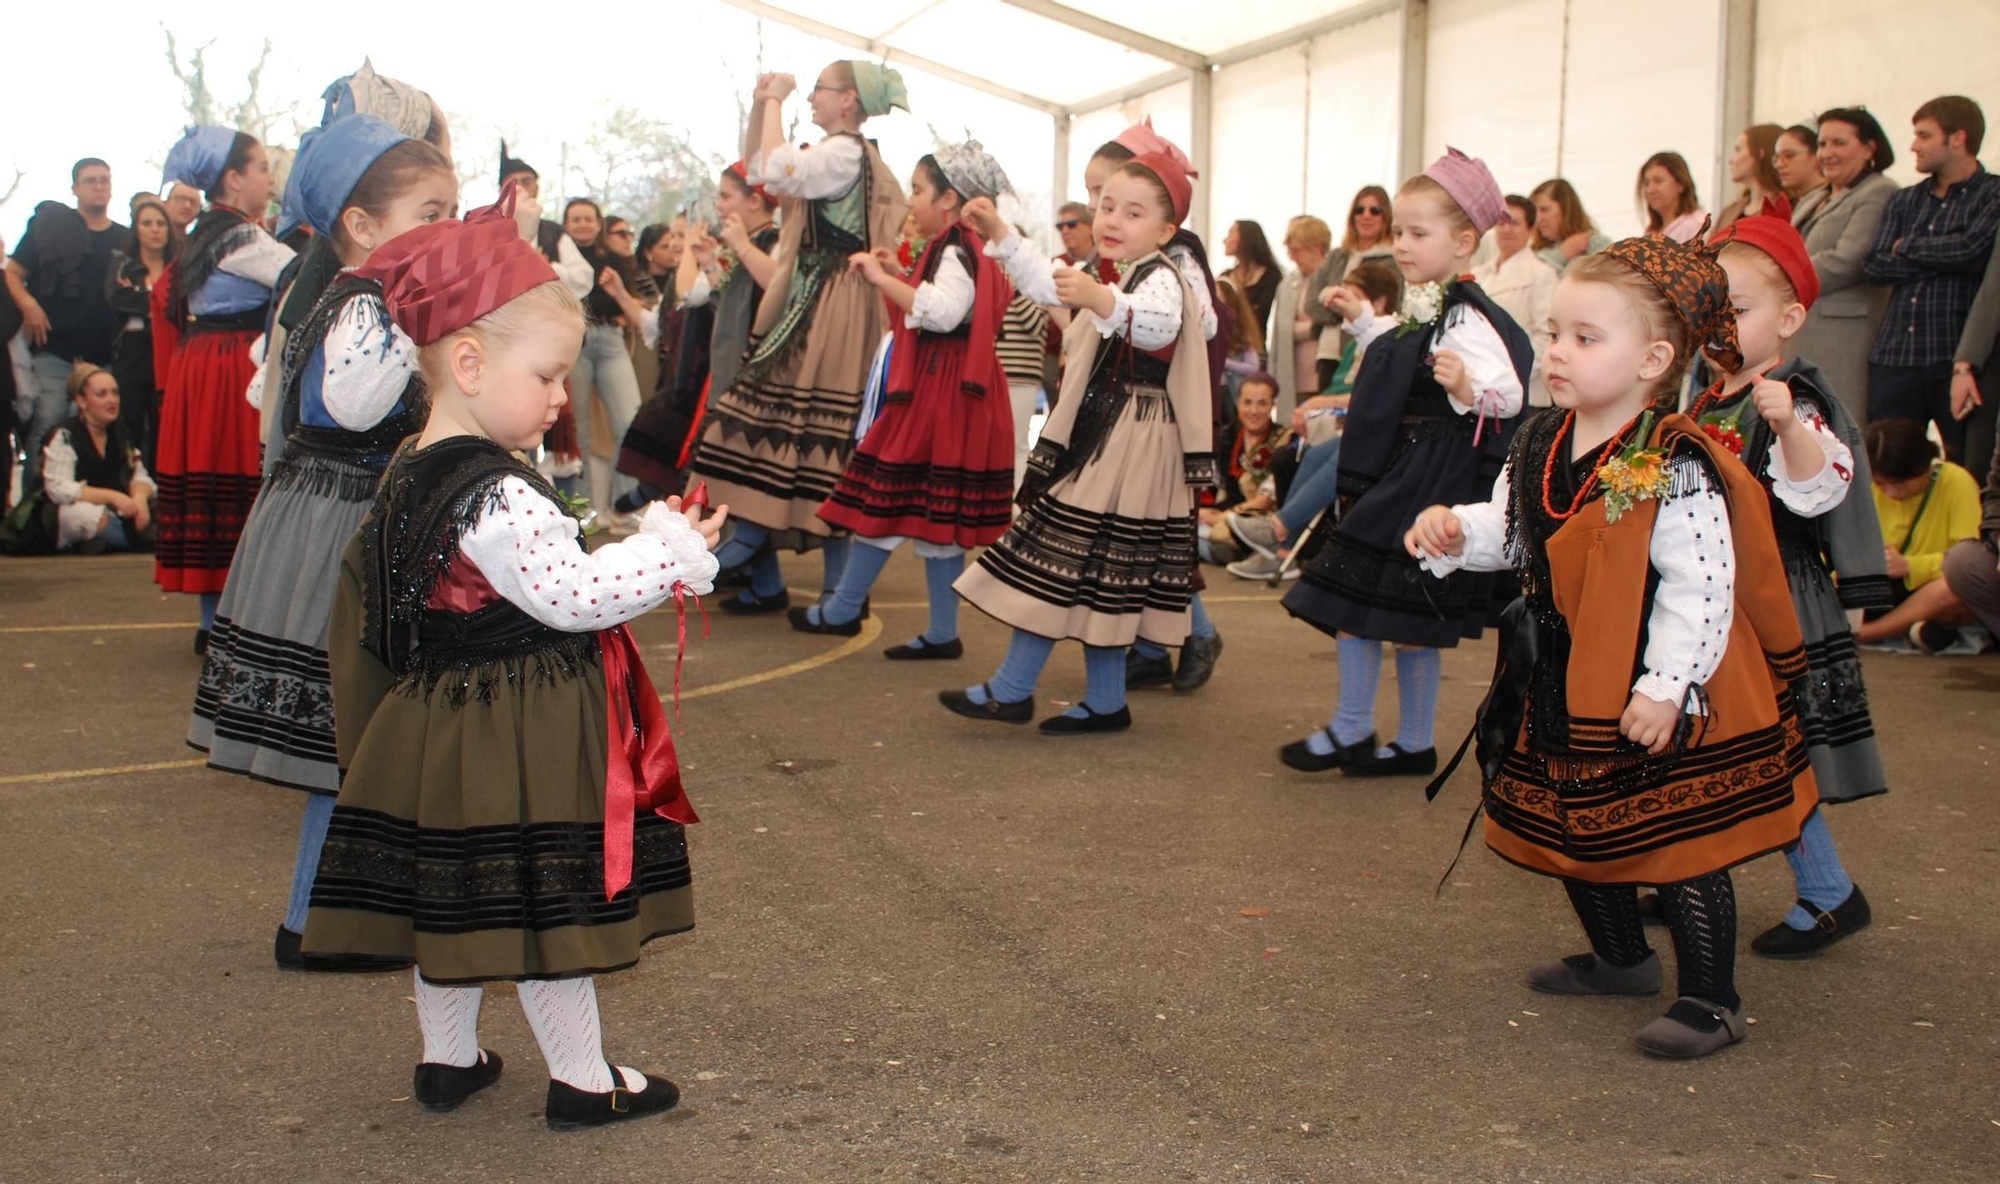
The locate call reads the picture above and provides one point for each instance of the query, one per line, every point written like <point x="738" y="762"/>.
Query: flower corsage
<point x="1421" y="305"/>
<point x="1635" y="474"/>
<point x="1726" y="429"/>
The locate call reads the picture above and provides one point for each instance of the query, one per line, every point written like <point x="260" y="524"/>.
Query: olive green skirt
<point x="469" y="834"/>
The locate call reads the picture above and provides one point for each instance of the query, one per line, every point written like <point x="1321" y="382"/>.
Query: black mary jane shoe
<point x="1298" y="755"/>
<point x="1848" y="917"/>
<point x="572" y="1109"/>
<point x="1142" y="672"/>
<point x="802" y="621"/>
<point x="757" y="606"/>
<point x="1090" y="721"/>
<point x="446" y="1087"/>
<point x="1421" y="763"/>
<point x="1198" y="657"/>
<point x="287" y="952"/>
<point x="1007" y="713"/>
<point x="943" y="651"/>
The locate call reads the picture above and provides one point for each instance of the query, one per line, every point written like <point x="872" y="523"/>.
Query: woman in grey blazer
<point x="1838" y="221"/>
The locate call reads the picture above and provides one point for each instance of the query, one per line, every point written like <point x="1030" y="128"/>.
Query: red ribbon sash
<point x="641" y="771"/>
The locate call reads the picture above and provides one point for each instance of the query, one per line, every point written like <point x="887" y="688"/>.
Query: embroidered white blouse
<point x="1153" y="308"/>
<point x="944" y="302"/>
<point x="815" y="172"/>
<point x="528" y="550"/>
<point x="1496" y="389"/>
<point x="1692" y="548"/>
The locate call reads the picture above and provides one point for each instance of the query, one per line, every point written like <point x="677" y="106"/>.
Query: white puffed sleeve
<point x="1033" y="275"/>
<point x="261" y="259"/>
<point x="59" y="469"/>
<point x="824" y="170"/>
<point x="528" y="550"/>
<point x="572" y="268"/>
<point x="1364" y="329"/>
<point x="1823" y="490"/>
<point x="260" y="353"/>
<point x="699" y="293"/>
<point x="368" y="364"/>
<point x="1694" y="551"/>
<point x="944" y="302"/>
<point x="1496" y="389"/>
<point x="1190" y="271"/>
<point x="1152" y="310"/>
<point x="1485" y="527"/>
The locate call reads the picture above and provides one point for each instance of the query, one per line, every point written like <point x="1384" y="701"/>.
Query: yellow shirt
<point x="1951" y="517"/>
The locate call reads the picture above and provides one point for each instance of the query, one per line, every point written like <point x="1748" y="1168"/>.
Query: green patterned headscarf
<point x="880" y="87"/>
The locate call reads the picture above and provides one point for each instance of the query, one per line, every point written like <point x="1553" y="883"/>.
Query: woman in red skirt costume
<point x="207" y="312"/>
<point x="937" y="467"/>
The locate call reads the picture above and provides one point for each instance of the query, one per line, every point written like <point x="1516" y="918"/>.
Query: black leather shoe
<point x="445" y="1087"/>
<point x="1142" y="672"/>
<point x="1090" y="721"/>
<point x="201" y="642"/>
<point x="943" y="651"/>
<point x="286" y="952"/>
<point x="1297" y="755"/>
<point x="1198" y="657"/>
<point x="1848" y="917"/>
<point x="993" y="709"/>
<point x="757" y="606"/>
<point x="573" y="1109"/>
<point x="803" y="622"/>
<point x="1401" y="764"/>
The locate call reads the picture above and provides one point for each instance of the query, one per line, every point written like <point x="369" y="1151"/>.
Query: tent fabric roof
<point x="1057" y="57"/>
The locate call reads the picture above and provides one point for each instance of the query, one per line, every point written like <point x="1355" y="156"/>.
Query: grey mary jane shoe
<point x="1587" y="974"/>
<point x="1670" y="1037"/>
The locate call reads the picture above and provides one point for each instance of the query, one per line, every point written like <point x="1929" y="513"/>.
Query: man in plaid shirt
<point x="1932" y="245"/>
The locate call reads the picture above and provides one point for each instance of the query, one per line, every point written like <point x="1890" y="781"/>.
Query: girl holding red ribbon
<point x="512" y="809"/>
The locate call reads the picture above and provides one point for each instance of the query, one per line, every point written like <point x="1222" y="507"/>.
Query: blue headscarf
<point x="329" y="165"/>
<point x="198" y="159"/>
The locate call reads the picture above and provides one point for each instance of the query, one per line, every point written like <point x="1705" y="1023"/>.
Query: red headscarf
<point x="1173" y="174"/>
<point x="437" y="279"/>
<point x="741" y="172"/>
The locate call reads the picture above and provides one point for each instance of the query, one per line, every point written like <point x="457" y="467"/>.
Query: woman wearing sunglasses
<point x="1366" y="241"/>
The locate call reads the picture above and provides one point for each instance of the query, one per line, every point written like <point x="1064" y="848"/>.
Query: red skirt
<point x="208" y="474"/>
<point x="937" y="464"/>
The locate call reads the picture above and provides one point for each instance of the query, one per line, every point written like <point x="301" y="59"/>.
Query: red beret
<point x="1777" y="238"/>
<point x="439" y="278"/>
<point x="1174" y="176"/>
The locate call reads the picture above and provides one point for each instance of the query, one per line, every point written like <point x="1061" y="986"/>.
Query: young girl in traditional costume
<point x="1641" y="728"/>
<point x="1782" y="418"/>
<point x="775" y="442"/>
<point x="720" y="305"/>
<point x="206" y="313"/>
<point x="512" y="808"/>
<point x="937" y="466"/>
<point x="1433" y="407"/>
<point x="349" y="394"/>
<point x="1104" y="547"/>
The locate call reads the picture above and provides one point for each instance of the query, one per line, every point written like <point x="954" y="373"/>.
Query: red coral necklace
<point x="1611" y="447"/>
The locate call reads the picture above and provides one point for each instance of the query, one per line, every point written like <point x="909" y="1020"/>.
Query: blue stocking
<point x="858" y="574"/>
<point x="1149" y="650"/>
<point x="748" y="539"/>
<point x="208" y="602"/>
<point x="1419" y="670"/>
<point x="312" y="837"/>
<point x="1199" y="623"/>
<point x="1360" y="674"/>
<point x="1020" y="670"/>
<point x="940" y="573"/>
<point x="834" y="552"/>
<point x="767" y="579"/>
<point x="1816" y="867"/>
<point x="1104" y="681"/>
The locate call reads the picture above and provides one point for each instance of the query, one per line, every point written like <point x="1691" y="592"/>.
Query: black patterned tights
<point x="1701" y="913"/>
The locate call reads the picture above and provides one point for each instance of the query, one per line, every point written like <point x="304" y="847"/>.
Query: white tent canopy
<point x="1290" y="108"/>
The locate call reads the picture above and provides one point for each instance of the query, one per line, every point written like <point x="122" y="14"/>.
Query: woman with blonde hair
<point x="1366" y="240"/>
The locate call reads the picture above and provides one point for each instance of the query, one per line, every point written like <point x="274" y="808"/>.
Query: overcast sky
<point x="100" y="85"/>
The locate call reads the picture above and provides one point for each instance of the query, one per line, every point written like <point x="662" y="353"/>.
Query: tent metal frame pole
<point x="1735" y="84"/>
<point x="889" y="53"/>
<point x="1201" y="120"/>
<point x="1416" y="22"/>
<point x="1112" y="98"/>
<point x="1059" y="174"/>
<point x="1166" y="51"/>
<point x="1285" y="38"/>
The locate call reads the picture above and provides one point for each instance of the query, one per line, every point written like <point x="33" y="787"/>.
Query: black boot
<point x="445" y="1087"/>
<point x="572" y="1109"/>
<point x="1142" y="672"/>
<point x="1198" y="655"/>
